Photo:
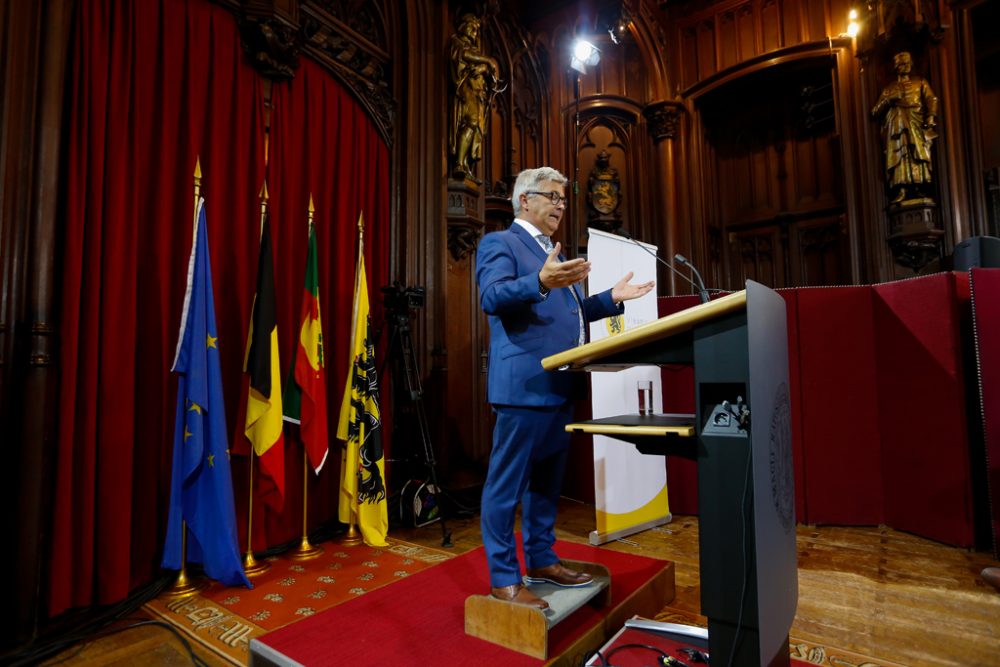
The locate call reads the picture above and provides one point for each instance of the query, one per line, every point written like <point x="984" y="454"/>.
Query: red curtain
<point x="152" y="86"/>
<point x="324" y="145"/>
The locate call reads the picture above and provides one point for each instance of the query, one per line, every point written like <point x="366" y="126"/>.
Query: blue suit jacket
<point x="525" y="327"/>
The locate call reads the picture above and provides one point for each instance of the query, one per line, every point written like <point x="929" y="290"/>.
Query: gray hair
<point x="530" y="179"/>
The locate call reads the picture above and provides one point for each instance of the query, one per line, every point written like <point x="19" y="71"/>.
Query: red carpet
<point x="420" y="620"/>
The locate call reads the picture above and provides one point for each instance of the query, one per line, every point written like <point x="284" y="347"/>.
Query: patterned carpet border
<point x="224" y="620"/>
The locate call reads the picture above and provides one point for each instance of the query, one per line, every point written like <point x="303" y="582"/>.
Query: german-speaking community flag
<point x="263" y="427"/>
<point x="305" y="391"/>
<point x="362" y="489"/>
<point x="201" y="487"/>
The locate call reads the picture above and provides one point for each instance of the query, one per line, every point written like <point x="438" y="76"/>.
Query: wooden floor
<point x="890" y="596"/>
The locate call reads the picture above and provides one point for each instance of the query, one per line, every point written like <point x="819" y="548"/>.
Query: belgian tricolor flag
<point x="263" y="426"/>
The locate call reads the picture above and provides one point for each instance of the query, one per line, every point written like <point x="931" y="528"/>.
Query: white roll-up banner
<point x="630" y="488"/>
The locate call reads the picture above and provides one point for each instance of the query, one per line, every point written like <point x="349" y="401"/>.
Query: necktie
<point x="546" y="243"/>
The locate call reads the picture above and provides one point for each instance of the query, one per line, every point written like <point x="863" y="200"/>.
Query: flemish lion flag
<point x="362" y="486"/>
<point x="305" y="392"/>
<point x="263" y="427"/>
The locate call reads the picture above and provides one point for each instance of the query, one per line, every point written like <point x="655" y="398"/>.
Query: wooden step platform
<point x="526" y="629"/>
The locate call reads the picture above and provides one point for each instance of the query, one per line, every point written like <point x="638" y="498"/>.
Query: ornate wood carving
<point x="663" y="118"/>
<point x="915" y="237"/>
<point x="271" y="45"/>
<point x="465" y="223"/>
<point x="348" y="37"/>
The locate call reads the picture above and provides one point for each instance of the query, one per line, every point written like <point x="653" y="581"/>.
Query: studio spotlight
<point x="585" y="55"/>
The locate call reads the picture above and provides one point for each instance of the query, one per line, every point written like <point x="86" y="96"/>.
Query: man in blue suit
<point x="536" y="308"/>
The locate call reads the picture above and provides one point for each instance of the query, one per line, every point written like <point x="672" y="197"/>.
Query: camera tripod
<point x="401" y="348"/>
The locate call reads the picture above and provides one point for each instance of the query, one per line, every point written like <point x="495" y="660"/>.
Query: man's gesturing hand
<point x="562" y="274"/>
<point x="623" y="291"/>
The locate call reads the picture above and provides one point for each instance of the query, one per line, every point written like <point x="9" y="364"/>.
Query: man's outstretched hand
<point x="562" y="274"/>
<point x="624" y="291"/>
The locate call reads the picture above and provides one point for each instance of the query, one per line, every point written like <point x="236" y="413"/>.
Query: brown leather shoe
<point x="991" y="575"/>
<point x="518" y="594"/>
<point x="560" y="575"/>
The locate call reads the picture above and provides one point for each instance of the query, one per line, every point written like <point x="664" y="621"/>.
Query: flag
<point x="362" y="489"/>
<point x="263" y="426"/>
<point x="305" y="391"/>
<point x="201" y="486"/>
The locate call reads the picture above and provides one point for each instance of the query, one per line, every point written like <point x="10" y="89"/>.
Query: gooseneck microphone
<point x="702" y="292"/>
<point x="701" y="288"/>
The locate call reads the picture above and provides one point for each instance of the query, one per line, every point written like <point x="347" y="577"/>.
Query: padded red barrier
<point x="791" y="297"/>
<point x="986" y="322"/>
<point x="677" y="381"/>
<point x="925" y="449"/>
<point x="840" y="437"/>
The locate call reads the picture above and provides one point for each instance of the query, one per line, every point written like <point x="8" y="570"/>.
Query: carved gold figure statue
<point x="475" y="76"/>
<point x="909" y="129"/>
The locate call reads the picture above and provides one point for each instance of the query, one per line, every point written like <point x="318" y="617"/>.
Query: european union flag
<point x="201" y="491"/>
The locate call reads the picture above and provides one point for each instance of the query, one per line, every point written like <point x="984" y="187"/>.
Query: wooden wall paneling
<point x="966" y="40"/>
<point x="688" y="56"/>
<point x="819" y="252"/>
<point x="770" y="26"/>
<point x="815" y="19"/>
<point x="728" y="40"/>
<point x="793" y="30"/>
<point x="419" y="163"/>
<point x="757" y="254"/>
<point x="746" y="31"/>
<point x="706" y="57"/>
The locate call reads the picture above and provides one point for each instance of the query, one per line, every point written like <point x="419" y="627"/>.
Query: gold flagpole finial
<point x="197" y="190"/>
<point x="263" y="205"/>
<point x="312" y="209"/>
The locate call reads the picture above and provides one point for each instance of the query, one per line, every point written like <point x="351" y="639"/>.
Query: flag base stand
<point x="305" y="550"/>
<point x="253" y="567"/>
<point x="352" y="538"/>
<point x="184" y="587"/>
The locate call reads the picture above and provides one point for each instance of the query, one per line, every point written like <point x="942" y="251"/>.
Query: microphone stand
<point x="702" y="292"/>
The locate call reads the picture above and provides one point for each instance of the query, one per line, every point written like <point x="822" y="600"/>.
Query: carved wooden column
<point x="663" y="119"/>
<point x="31" y="372"/>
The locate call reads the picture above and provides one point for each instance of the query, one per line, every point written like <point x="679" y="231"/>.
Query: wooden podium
<point x="740" y="436"/>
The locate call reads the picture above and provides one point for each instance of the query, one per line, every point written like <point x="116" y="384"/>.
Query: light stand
<point x="399" y="301"/>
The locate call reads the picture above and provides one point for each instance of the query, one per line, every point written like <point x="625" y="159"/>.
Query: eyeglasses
<point x="554" y="197"/>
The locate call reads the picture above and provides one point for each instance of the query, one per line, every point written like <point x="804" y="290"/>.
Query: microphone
<point x="624" y="232"/>
<point x="702" y="292"/>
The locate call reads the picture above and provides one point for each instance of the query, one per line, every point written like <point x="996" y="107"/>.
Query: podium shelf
<point x="635" y="425"/>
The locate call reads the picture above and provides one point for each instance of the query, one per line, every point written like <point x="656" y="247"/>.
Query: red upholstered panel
<point x="678" y="396"/>
<point x="925" y="454"/>
<point x="791" y="297"/>
<point x="986" y="322"/>
<point x="842" y="461"/>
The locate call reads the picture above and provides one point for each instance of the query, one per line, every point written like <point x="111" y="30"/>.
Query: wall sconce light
<point x="584" y="54"/>
<point x="852" y="24"/>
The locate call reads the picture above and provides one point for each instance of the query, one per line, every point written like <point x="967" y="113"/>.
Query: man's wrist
<point x="542" y="289"/>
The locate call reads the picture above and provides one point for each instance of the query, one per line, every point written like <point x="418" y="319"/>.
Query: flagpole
<point x="185" y="587"/>
<point x="353" y="536"/>
<point x="306" y="550"/>
<point x="251" y="565"/>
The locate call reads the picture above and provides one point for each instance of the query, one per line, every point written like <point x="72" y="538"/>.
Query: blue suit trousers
<point x="527" y="464"/>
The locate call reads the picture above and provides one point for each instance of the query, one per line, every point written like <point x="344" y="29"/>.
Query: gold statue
<point x="475" y="76"/>
<point x="909" y="128"/>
